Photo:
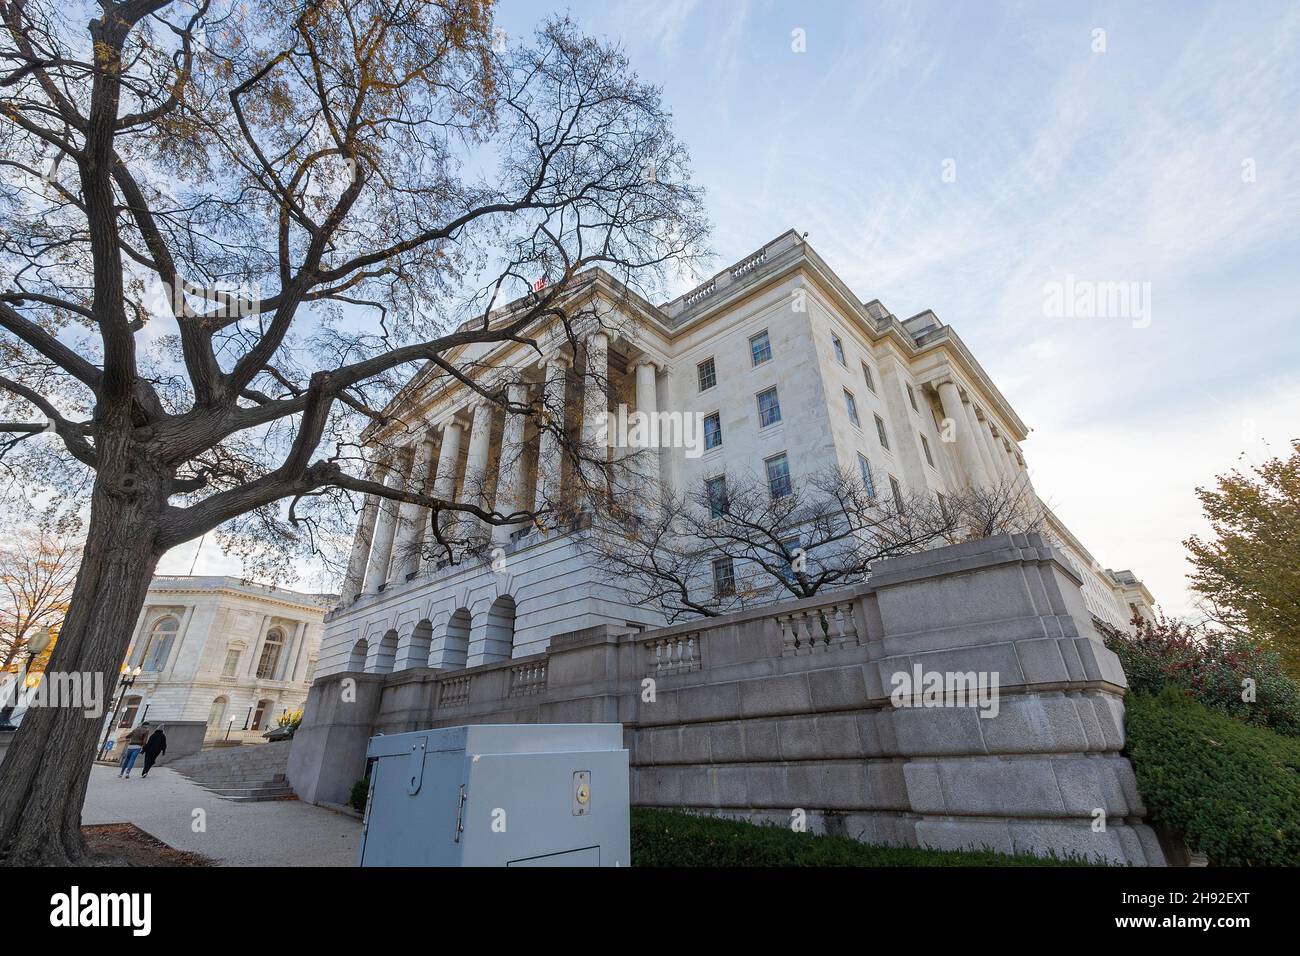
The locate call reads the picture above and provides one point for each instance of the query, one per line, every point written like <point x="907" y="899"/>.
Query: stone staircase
<point x="240" y="774"/>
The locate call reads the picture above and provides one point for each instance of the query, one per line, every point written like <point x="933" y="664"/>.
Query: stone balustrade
<point x="673" y="655"/>
<point x="529" y="678"/>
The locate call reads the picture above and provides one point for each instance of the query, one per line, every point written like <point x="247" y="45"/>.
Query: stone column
<point x="411" y="516"/>
<point x="996" y="470"/>
<point x="174" y="654"/>
<point x="382" y="546"/>
<point x="258" y="640"/>
<point x="480" y="440"/>
<point x="511" y="474"/>
<point x="647" y="403"/>
<point x="356" y="572"/>
<point x="981" y="447"/>
<point x="595" y="399"/>
<point x="967" y="450"/>
<point x="444" y="480"/>
<point x="549" y="461"/>
<point x="1000" y="455"/>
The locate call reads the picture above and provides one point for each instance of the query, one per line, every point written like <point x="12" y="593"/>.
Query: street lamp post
<point x="127" y="681"/>
<point x="35" y="647"/>
<point x="229" y="726"/>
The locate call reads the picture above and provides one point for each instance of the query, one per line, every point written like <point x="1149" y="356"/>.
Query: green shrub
<point x="1232" y="790"/>
<point x="360" y="790"/>
<point x="1210" y="666"/>
<point x="672" y="838"/>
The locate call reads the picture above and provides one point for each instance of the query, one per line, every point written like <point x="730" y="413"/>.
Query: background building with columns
<point x="788" y="371"/>
<point x="217" y="649"/>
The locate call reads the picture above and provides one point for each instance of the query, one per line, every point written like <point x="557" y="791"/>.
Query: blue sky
<point x="1117" y="165"/>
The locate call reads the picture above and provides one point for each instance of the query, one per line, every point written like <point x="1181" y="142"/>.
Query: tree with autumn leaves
<point x="38" y="569"/>
<point x="1248" y="572"/>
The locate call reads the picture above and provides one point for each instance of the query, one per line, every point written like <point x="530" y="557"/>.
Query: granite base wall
<point x="787" y="709"/>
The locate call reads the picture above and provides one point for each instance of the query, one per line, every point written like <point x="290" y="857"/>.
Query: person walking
<point x="134" y="743"/>
<point x="155" y="748"/>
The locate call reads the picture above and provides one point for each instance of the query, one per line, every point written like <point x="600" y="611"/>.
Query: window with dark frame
<point x="708" y="374"/>
<point x="724" y="577"/>
<point x="769" y="407"/>
<point x="712" y="430"/>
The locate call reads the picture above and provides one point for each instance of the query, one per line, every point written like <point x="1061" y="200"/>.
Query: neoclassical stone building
<point x="788" y="371"/>
<point x="217" y="649"/>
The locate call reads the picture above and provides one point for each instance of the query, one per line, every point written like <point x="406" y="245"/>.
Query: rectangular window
<point x="712" y="431"/>
<point x="708" y="374"/>
<point x="769" y="407"/>
<point x="839" y="349"/>
<point x="880" y="432"/>
<point x="760" y="348"/>
<point x="911" y="396"/>
<point x="925" y="447"/>
<point x="867" y="377"/>
<point x="897" y="490"/>
<point x="724" y="577"/>
<point x="716" y="490"/>
<point x="852" y="407"/>
<point x="868" y="482"/>
<point x="232" y="663"/>
<point x="778" y="476"/>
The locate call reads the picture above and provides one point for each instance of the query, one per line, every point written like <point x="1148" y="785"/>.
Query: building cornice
<point x="166" y="585"/>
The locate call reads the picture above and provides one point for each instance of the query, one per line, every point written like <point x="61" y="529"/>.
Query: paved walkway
<point x="272" y="833"/>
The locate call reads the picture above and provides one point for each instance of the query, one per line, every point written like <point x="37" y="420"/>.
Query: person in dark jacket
<point x="155" y="748"/>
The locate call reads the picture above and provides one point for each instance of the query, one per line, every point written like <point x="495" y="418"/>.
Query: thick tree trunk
<point x="45" y="772"/>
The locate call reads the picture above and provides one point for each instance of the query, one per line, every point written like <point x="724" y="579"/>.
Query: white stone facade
<point x="778" y="319"/>
<point x="221" y="650"/>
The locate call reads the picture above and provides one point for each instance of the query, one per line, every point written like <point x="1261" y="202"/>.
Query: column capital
<point x="555" y="358"/>
<point x="657" y="364"/>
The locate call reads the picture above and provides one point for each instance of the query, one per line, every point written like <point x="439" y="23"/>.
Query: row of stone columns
<point x="986" y="459"/>
<point x="390" y="535"/>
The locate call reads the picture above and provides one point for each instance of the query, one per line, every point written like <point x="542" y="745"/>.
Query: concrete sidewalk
<point x="272" y="833"/>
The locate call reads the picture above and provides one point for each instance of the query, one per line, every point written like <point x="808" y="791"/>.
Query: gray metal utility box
<point x="498" y="795"/>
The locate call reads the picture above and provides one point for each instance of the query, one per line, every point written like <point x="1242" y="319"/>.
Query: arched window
<point x="357" y="662"/>
<point x="387" y="653"/>
<point x="270" y="658"/>
<point x="217" y="715"/>
<point x="159" y="646"/>
<point x="499" y="640"/>
<point x="417" y="650"/>
<point x="456" y="645"/>
<point x="130" y="707"/>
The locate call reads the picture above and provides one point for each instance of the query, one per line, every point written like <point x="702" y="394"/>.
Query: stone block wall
<point x="787" y="709"/>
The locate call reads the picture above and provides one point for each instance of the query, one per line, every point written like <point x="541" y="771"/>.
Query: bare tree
<point x="330" y="195"/>
<point x="37" y="572"/>
<point x="1007" y="507"/>
<point x="774" y="541"/>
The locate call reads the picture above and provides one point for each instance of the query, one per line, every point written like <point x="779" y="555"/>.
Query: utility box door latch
<point x="581" y="793"/>
<point x="415" y="765"/>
